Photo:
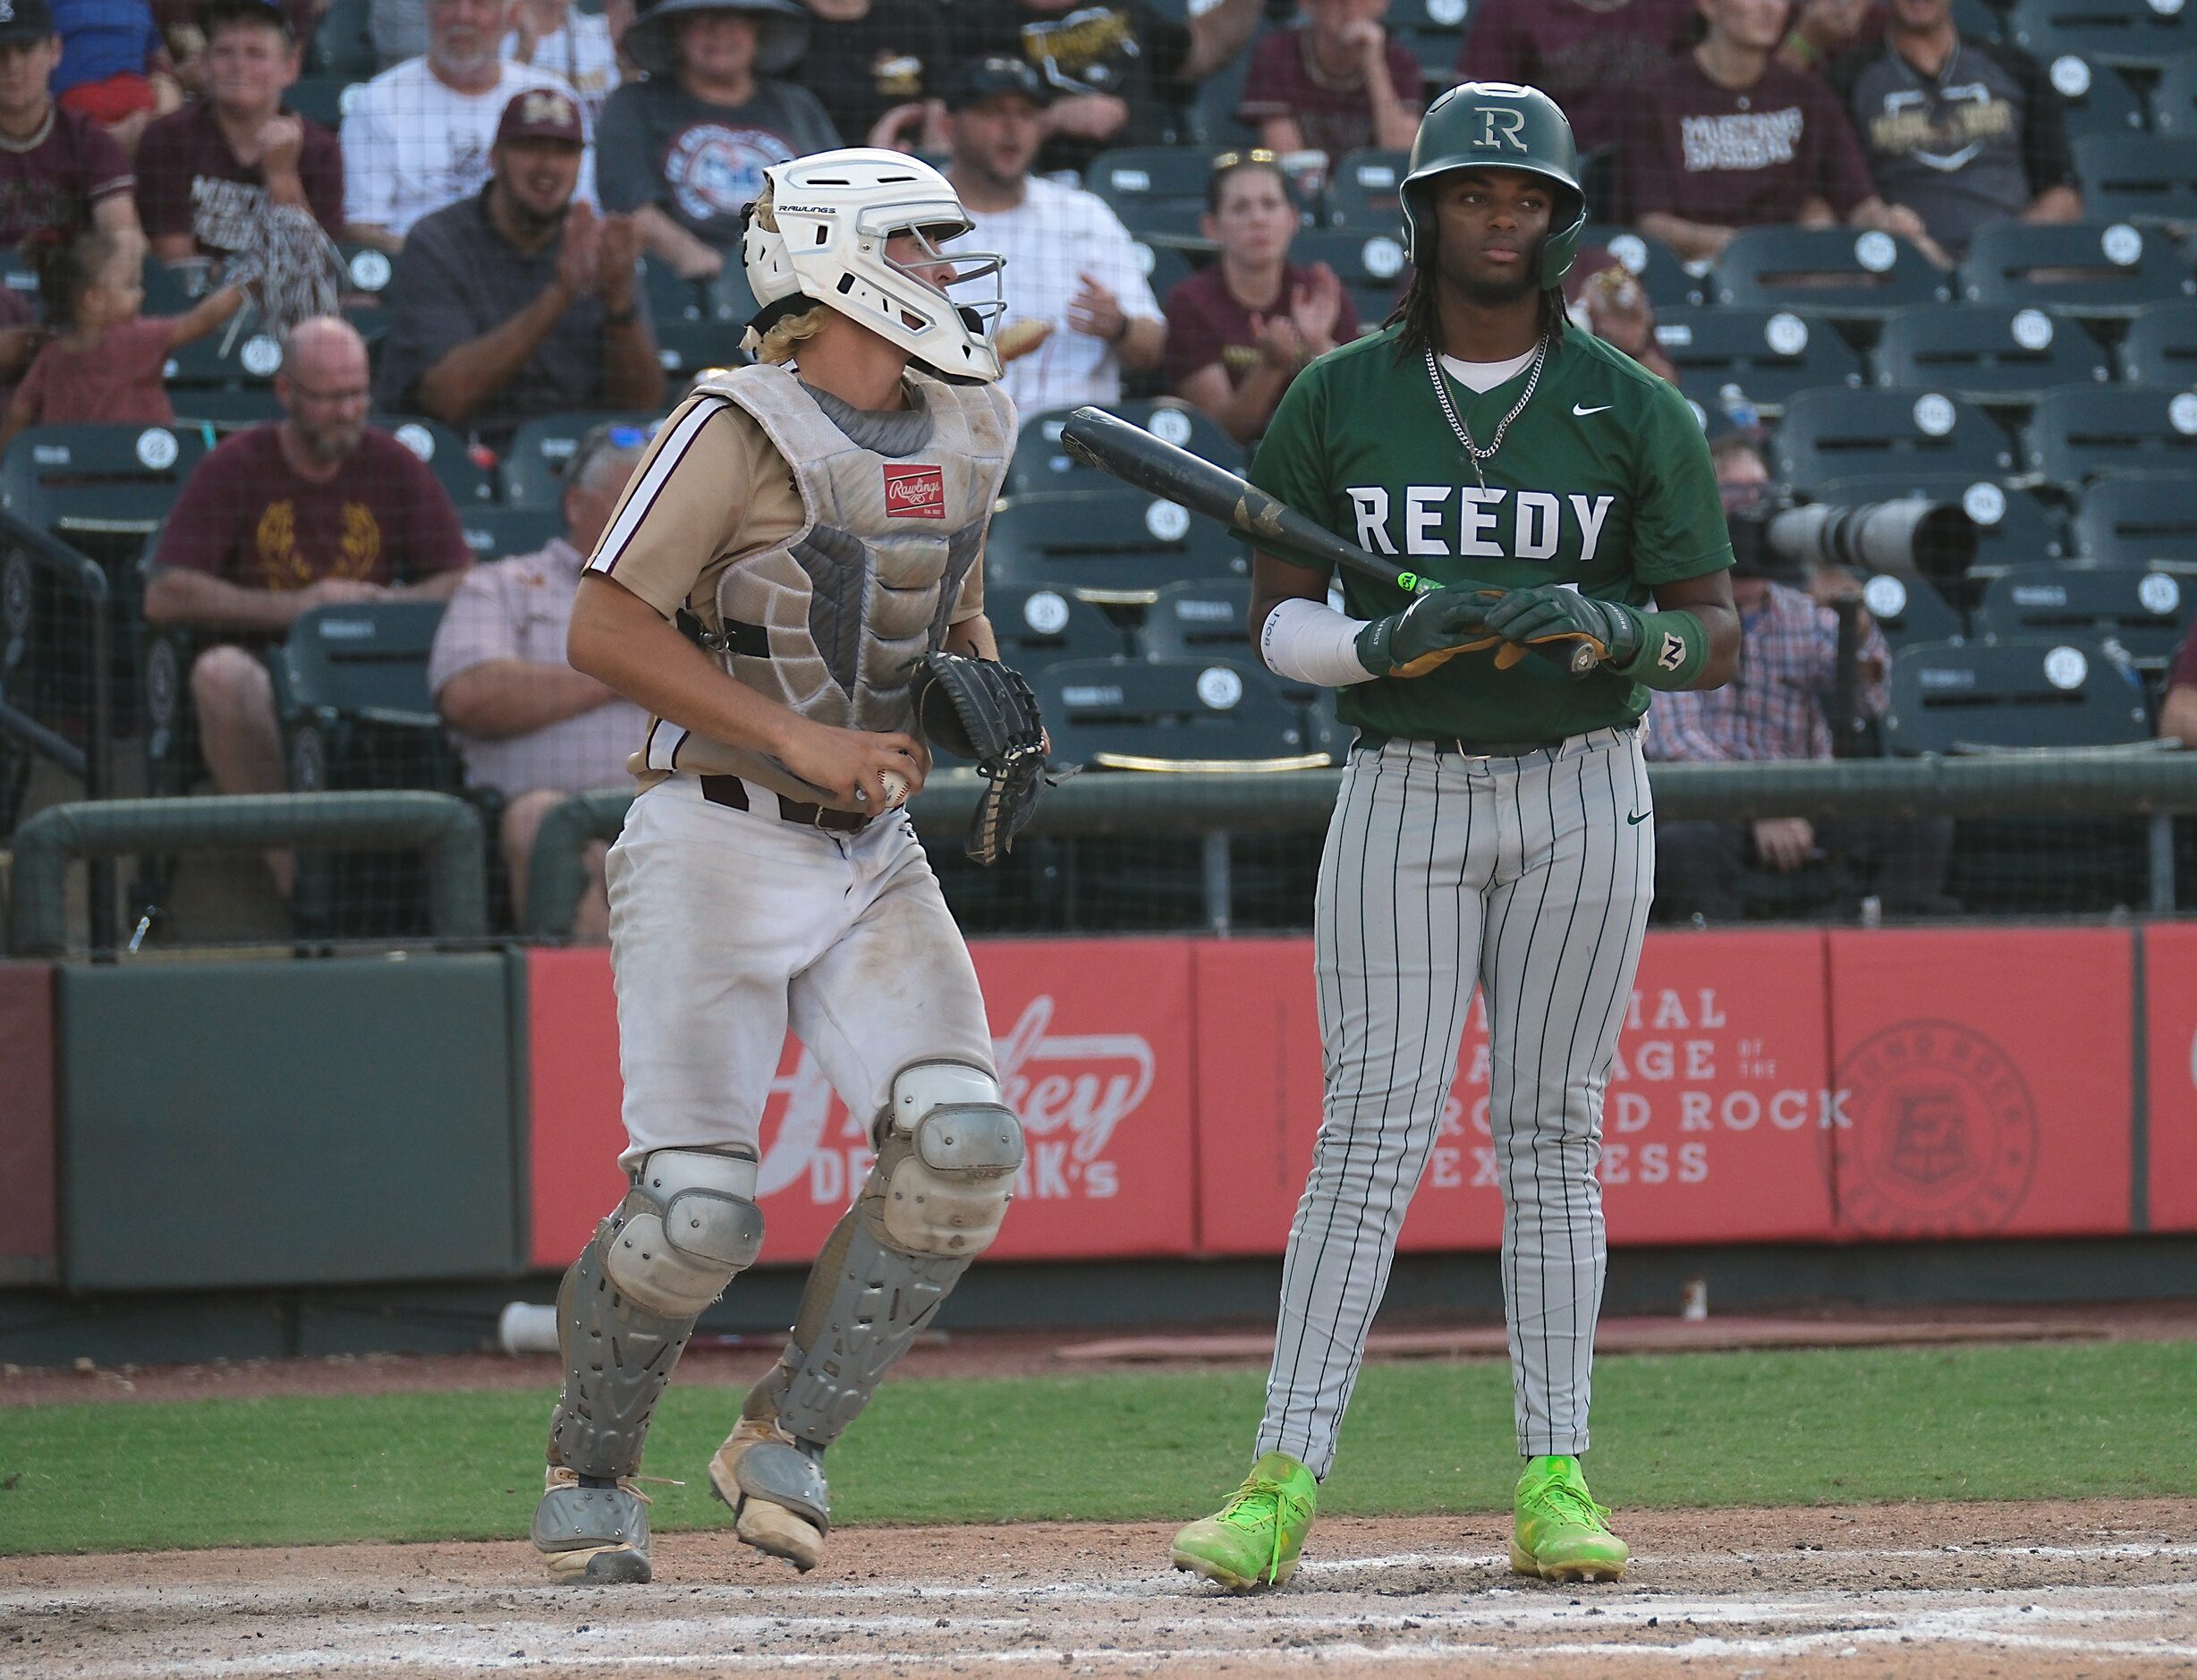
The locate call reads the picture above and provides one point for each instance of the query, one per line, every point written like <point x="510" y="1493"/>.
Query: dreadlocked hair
<point x="778" y="342"/>
<point x="68" y="265"/>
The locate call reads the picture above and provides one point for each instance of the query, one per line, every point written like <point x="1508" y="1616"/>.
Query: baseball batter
<point x="815" y="523"/>
<point x="1494" y="823"/>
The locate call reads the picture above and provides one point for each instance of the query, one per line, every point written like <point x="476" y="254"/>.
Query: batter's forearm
<point x="626" y="645"/>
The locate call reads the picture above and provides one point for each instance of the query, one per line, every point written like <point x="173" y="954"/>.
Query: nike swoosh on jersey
<point x="1635" y="817"/>
<point x="1581" y="413"/>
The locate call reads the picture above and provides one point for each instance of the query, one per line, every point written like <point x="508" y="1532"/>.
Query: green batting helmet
<point x="1499" y="125"/>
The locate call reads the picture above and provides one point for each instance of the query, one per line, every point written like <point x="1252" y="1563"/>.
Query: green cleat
<point x="1560" y="1533"/>
<point x="1253" y="1541"/>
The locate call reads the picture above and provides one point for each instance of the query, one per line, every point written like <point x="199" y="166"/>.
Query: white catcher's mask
<point x="834" y="212"/>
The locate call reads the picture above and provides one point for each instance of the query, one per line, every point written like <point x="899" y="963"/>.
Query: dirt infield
<point x="2060" y="1589"/>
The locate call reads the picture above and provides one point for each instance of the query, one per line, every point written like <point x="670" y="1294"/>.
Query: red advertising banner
<point x="1094" y="1047"/>
<point x="2170" y="1052"/>
<point x="1984" y="1085"/>
<point x="1713" y="1125"/>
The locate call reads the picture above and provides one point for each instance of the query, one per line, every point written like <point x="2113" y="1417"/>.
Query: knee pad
<point x="947" y="1152"/>
<point x="687" y="1228"/>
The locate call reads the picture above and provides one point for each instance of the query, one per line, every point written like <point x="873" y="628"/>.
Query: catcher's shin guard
<point x="688" y="1226"/>
<point x="947" y="1152"/>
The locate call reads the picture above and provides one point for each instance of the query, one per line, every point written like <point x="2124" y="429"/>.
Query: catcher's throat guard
<point x="986" y="712"/>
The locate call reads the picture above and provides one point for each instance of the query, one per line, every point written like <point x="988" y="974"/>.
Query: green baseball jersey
<point x="1603" y="482"/>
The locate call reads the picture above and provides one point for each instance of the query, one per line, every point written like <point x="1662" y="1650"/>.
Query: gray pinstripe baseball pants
<point x="1532" y="876"/>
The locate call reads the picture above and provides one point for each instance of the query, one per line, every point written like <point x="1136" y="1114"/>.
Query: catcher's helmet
<point x="1499" y="125"/>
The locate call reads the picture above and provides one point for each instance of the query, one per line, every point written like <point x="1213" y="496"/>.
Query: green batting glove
<point x="1553" y="612"/>
<point x="1436" y="627"/>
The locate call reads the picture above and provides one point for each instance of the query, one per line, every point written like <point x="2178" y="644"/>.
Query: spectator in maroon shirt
<point x="208" y="174"/>
<point x="2177" y="713"/>
<point x="1589" y="55"/>
<point x="58" y="168"/>
<point x="315" y="509"/>
<point x="1333" y="83"/>
<point x="1240" y="329"/>
<point x="1725" y="138"/>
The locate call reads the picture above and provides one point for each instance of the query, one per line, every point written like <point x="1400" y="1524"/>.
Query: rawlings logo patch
<point x="1672" y="654"/>
<point x="914" y="493"/>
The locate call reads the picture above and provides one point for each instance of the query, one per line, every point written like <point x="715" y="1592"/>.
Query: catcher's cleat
<point x="1253" y="1540"/>
<point x="1559" y="1533"/>
<point x="776" y="1490"/>
<point x="592" y="1534"/>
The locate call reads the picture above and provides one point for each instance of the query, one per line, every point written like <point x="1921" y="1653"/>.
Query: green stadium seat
<point x="2162" y="346"/>
<point x="324" y="100"/>
<point x="1041" y="466"/>
<point x="2097" y="99"/>
<point x="2138" y="518"/>
<point x="1204" y="620"/>
<point x="1364" y="191"/>
<point x="1909" y="610"/>
<point x="1370" y="265"/>
<point x="220" y="409"/>
<point x="2094" y="270"/>
<point x="343" y="41"/>
<point x="366" y="269"/>
<point x="2080" y="432"/>
<point x="2014" y="527"/>
<point x="1996" y="355"/>
<point x="2130" y="34"/>
<point x="2054" y="691"/>
<point x="1158" y="191"/>
<point x="1838" y="434"/>
<point x="241" y="354"/>
<point x="1038" y="625"/>
<point x="1164" y="269"/>
<point x="2139" y="177"/>
<point x="1118" y="547"/>
<point x="496" y="533"/>
<point x="447" y="455"/>
<point x="686" y="348"/>
<point x="102" y="489"/>
<point x="2141" y="611"/>
<point x="1210" y="714"/>
<point x="2174" y="101"/>
<point x="1213" y="121"/>
<point x="1768" y="355"/>
<point x="1655" y="265"/>
<point x="533" y="465"/>
<point x="1835" y="272"/>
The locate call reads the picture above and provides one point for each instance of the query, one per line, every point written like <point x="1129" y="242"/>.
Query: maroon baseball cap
<point x="541" y="114"/>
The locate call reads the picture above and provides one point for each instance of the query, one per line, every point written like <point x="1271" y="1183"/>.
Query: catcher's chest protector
<point x="830" y="622"/>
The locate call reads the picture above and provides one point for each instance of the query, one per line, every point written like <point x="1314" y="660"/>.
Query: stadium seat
<point x="366" y="269"/>
<point x="1838" y="434"/>
<point x="447" y="454"/>
<point x="496" y="533"/>
<point x="1996" y="355"/>
<point x="324" y="100"/>
<point x="220" y="409"/>
<point x="2162" y="346"/>
<point x="1365" y="191"/>
<point x="103" y="488"/>
<point x="1370" y="265"/>
<point x="2014" y="527"/>
<point x="1199" y="621"/>
<point x="2098" y="99"/>
<point x="533" y="465"/>
<point x="2092" y="270"/>
<point x="2081" y="432"/>
<point x="2054" y="691"/>
<point x="1655" y="265"/>
<point x="2138" y="518"/>
<point x="1909" y="610"/>
<point x="2136" y="34"/>
<point x="1040" y="465"/>
<point x="2141" y="611"/>
<point x="2139" y="177"/>
<point x="1158" y="191"/>
<point x="2174" y="101"/>
<point x="687" y="347"/>
<point x="1037" y="626"/>
<point x="1164" y="269"/>
<point x="1116" y="546"/>
<point x="1768" y="354"/>
<point x="1213" y="121"/>
<point x="670" y="297"/>
<point x="1208" y="713"/>
<point x="1984" y="17"/>
<point x="241" y="354"/>
<point x="1828" y="271"/>
<point x="342" y="42"/>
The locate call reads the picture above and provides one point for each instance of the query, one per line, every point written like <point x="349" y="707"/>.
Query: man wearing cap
<point x="1080" y="310"/>
<point x="58" y="168"/>
<point x="683" y="152"/>
<point x="209" y="173"/>
<point x="526" y="723"/>
<point x="518" y="301"/>
<point x="418" y="136"/>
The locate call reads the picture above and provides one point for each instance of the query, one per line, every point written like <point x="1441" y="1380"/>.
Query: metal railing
<point x="444" y="829"/>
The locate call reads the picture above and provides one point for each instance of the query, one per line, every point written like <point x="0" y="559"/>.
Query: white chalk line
<point x="1996" y="1620"/>
<point x="1160" y="1585"/>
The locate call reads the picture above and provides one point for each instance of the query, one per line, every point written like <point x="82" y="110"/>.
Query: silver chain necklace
<point x="1472" y="450"/>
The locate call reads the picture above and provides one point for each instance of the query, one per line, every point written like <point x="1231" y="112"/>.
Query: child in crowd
<point x="114" y="66"/>
<point x="104" y="361"/>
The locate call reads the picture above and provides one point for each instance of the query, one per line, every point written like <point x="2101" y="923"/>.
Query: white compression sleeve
<point x="1312" y="642"/>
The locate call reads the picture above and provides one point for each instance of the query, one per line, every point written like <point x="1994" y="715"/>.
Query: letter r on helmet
<point x="1510" y="125"/>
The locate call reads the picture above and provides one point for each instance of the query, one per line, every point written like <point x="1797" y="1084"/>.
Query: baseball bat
<point x="1134" y="457"/>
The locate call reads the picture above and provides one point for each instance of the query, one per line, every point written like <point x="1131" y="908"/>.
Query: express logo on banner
<point x="1071" y="1091"/>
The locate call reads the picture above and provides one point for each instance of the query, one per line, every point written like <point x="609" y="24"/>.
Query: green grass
<point x="2035" y="1421"/>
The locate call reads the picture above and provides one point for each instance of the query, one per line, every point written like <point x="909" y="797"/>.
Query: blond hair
<point x="788" y="332"/>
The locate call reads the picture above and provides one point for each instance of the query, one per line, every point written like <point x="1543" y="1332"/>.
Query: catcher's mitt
<point x="984" y="711"/>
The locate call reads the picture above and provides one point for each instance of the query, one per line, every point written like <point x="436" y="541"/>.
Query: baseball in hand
<point x="895" y="789"/>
